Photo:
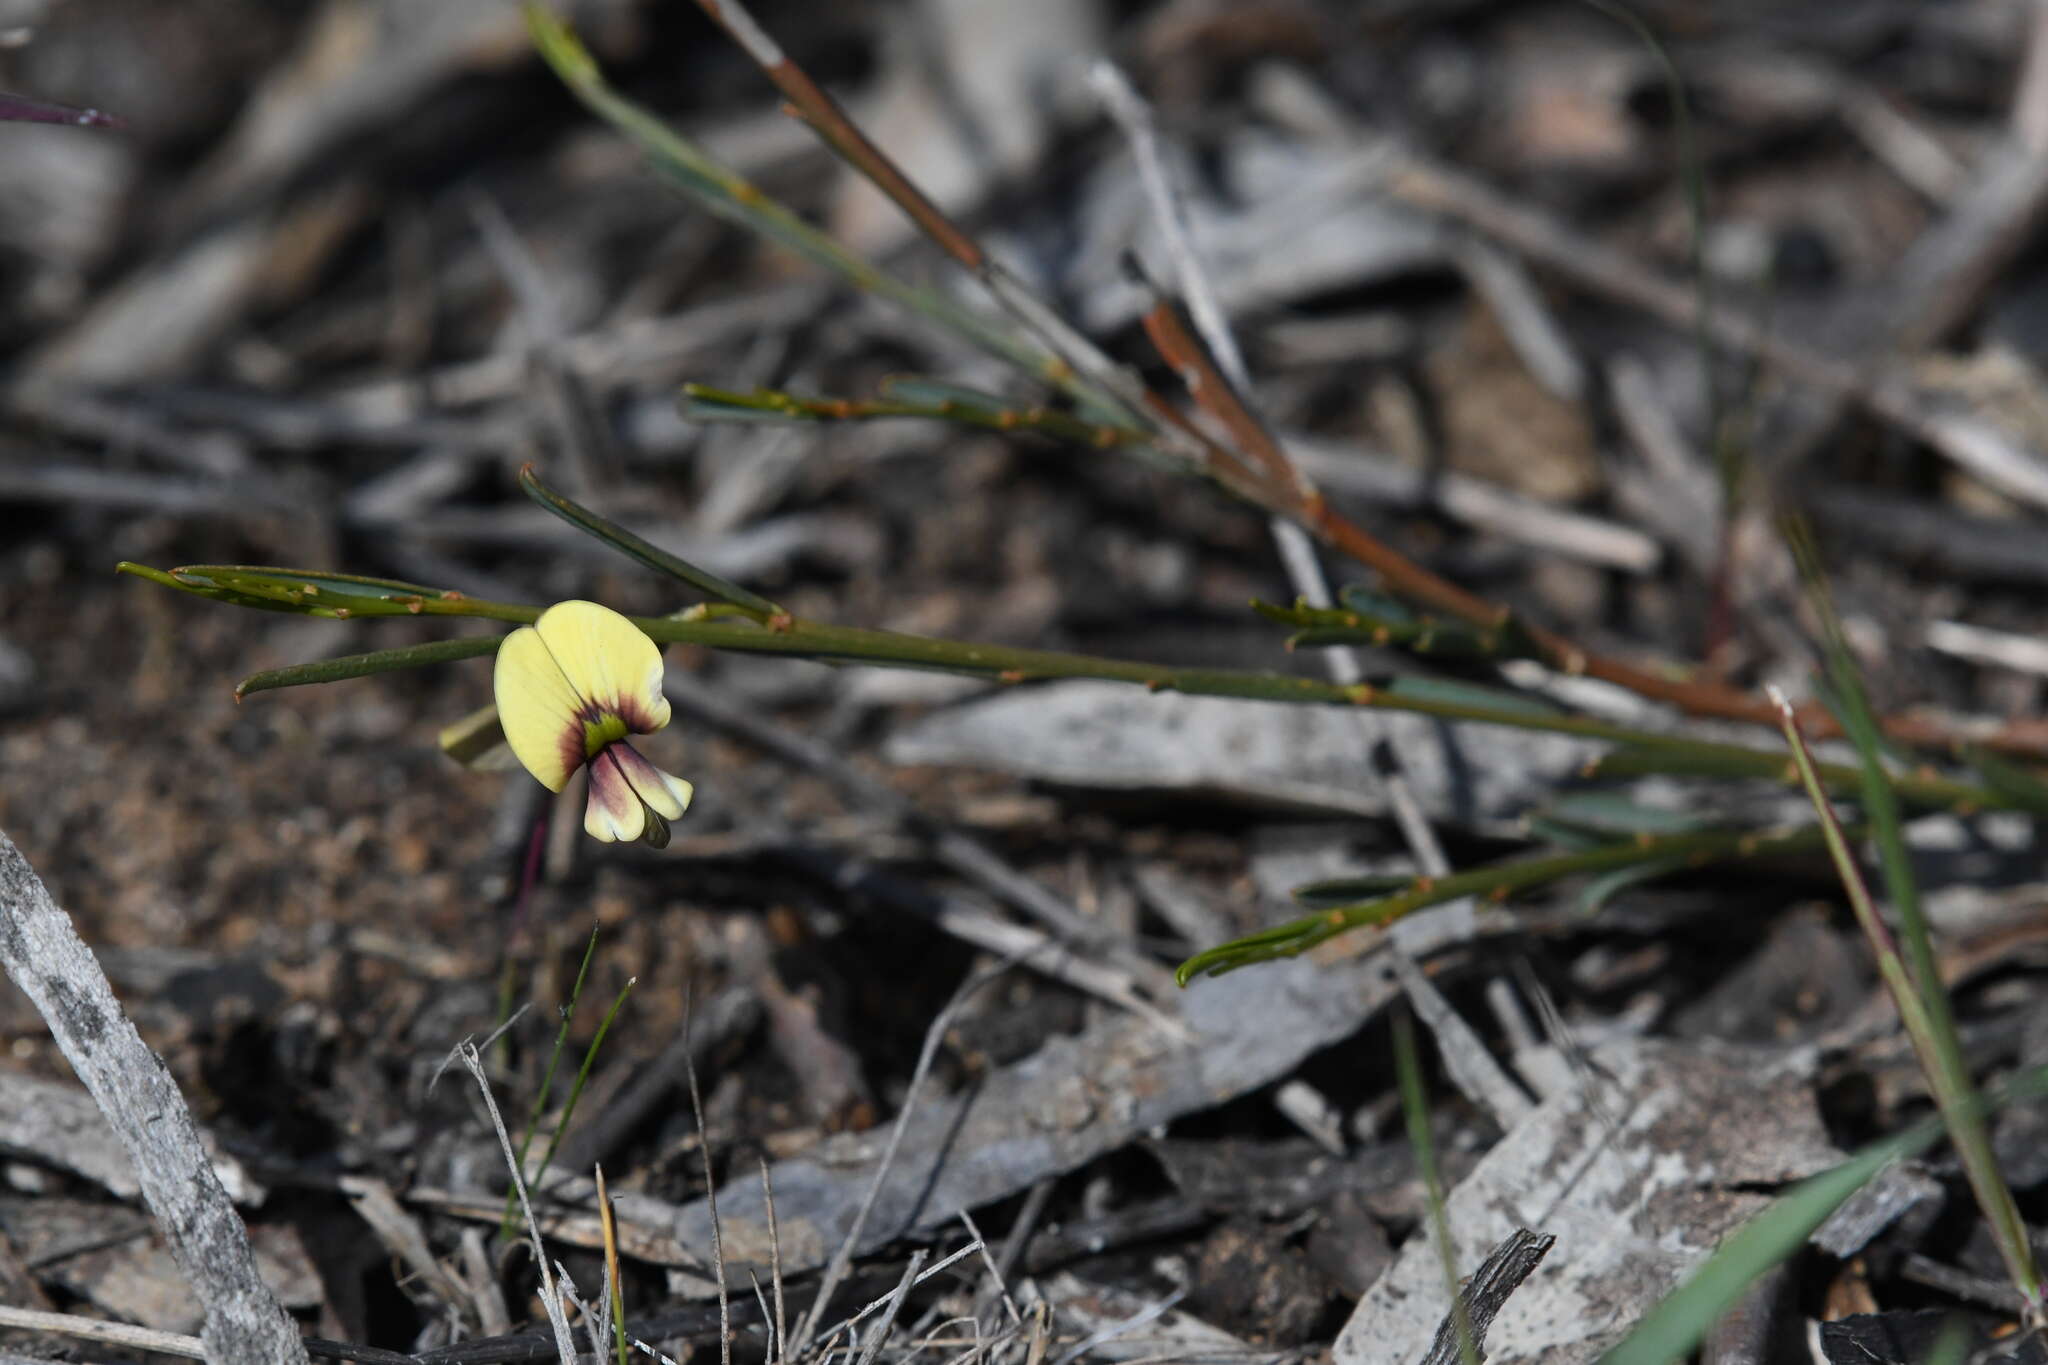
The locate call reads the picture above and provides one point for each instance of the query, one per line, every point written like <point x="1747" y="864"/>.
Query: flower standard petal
<point x="664" y="793"/>
<point x="608" y="661"/>
<point x="539" y="709"/>
<point x="614" y="812"/>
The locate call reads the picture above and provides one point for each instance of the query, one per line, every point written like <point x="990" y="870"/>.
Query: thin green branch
<point x="1644" y="750"/>
<point x="1495" y="881"/>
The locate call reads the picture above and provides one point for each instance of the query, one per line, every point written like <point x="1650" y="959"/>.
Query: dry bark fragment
<point x="45" y="957"/>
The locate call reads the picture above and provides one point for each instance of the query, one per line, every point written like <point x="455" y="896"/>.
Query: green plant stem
<point x="852" y="644"/>
<point x="1932" y="1031"/>
<point x="1496" y="881"/>
<point x="797" y="638"/>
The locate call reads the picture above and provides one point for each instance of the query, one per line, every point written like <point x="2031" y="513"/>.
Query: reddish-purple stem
<point x="21" y="109"/>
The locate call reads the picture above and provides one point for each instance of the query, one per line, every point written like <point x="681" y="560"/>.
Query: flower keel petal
<point x="614" y="812"/>
<point x="665" y="794"/>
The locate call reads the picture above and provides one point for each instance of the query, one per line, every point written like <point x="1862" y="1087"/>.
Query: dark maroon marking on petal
<point x="639" y="720"/>
<point x="570" y="745"/>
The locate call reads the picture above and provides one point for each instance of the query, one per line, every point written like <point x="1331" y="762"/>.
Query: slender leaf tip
<point x="558" y="44"/>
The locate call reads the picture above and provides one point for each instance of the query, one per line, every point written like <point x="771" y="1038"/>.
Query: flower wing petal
<point x="608" y="661"/>
<point x="538" y="708"/>
<point x="668" y="795"/>
<point x="614" y="813"/>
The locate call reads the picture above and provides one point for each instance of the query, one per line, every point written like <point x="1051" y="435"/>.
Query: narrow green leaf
<point x="633" y="547"/>
<point x="695" y="405"/>
<point x="363" y="665"/>
<point x="1347" y="890"/>
<point x="547" y="1078"/>
<point x="604" y="1027"/>
<point x="1446" y="692"/>
<point x="917" y="388"/>
<point x="1604" y="888"/>
<point x="183" y="581"/>
<point x="1614" y="813"/>
<point x="1368" y="603"/>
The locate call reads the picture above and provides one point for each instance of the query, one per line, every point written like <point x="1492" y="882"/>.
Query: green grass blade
<point x="547" y="1080"/>
<point x="1674" y="1327"/>
<point x="1415" y="1111"/>
<point x="583" y="1072"/>
<point x="1927" y="1013"/>
<point x="1671" y="1329"/>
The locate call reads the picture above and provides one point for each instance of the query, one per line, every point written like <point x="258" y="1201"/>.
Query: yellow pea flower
<point x="570" y="688"/>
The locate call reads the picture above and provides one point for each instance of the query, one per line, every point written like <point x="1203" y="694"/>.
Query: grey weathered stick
<point x="45" y="957"/>
<point x="108" y="1333"/>
<point x="1498" y="1276"/>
